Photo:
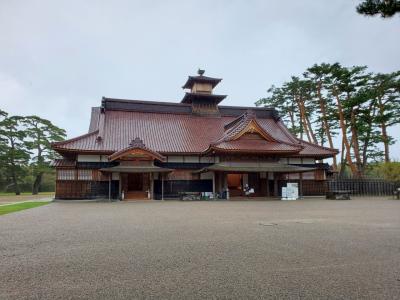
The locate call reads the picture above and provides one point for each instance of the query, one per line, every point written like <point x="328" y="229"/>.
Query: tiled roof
<point x="239" y="125"/>
<point x="63" y="163"/>
<point x="313" y="150"/>
<point x="137" y="144"/>
<point x="167" y="132"/>
<point x="201" y="78"/>
<point x="189" y="97"/>
<point x="255" y="146"/>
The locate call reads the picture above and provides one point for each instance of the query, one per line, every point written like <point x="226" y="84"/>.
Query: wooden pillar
<point x="219" y="183"/>
<point x="151" y="186"/>
<point x="162" y="186"/>
<point x="119" y="185"/>
<point x="276" y="194"/>
<point x="225" y="178"/>
<point x="109" y="186"/>
<point x="267" y="180"/>
<point x="213" y="179"/>
<point x="301" y="185"/>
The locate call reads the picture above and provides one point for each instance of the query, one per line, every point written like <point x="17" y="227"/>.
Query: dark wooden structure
<point x="159" y="150"/>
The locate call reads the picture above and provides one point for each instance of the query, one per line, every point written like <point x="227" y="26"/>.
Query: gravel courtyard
<point x="275" y="249"/>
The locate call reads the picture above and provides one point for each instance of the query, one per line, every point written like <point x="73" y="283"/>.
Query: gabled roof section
<point x="201" y="79"/>
<point x="212" y="98"/>
<point x="246" y="123"/>
<point x="317" y="151"/>
<point x="137" y="148"/>
<point x="253" y="146"/>
<point x="232" y="141"/>
<point x="63" y="163"/>
<point x="94" y="119"/>
<point x="83" y="143"/>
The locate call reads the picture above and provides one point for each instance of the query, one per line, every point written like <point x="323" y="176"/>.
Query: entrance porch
<point x="136" y="182"/>
<point x="264" y="178"/>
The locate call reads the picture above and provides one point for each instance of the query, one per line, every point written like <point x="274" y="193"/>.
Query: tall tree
<point x="385" y="8"/>
<point x="345" y="84"/>
<point x="327" y="114"/>
<point x="385" y="89"/>
<point x="15" y="153"/>
<point x="41" y="133"/>
<point x="331" y="99"/>
<point x="3" y="151"/>
<point x="301" y="91"/>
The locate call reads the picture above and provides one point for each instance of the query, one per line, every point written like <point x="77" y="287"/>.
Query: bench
<point x="338" y="195"/>
<point x="396" y="194"/>
<point x="189" y="196"/>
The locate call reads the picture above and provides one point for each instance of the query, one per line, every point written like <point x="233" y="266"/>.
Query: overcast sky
<point x="58" y="58"/>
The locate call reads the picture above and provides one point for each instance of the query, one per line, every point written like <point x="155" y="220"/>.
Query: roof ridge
<point x="150" y="102"/>
<point x="75" y="138"/>
<point x="319" y="146"/>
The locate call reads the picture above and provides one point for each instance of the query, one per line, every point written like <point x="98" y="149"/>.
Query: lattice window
<point x="65" y="174"/>
<point x="293" y="176"/>
<point x="85" y="175"/>
<point x="309" y="175"/>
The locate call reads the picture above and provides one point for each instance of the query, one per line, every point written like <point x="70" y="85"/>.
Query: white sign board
<point x="284" y="193"/>
<point x="292" y="191"/>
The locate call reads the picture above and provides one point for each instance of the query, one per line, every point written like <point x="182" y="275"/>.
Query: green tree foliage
<point x="3" y="151"/>
<point x="384" y="8"/>
<point x="25" y="152"/>
<point x="330" y="100"/>
<point x="41" y="133"/>
<point x="388" y="170"/>
<point x="15" y="154"/>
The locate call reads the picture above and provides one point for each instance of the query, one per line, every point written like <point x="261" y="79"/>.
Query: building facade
<point x="158" y="150"/>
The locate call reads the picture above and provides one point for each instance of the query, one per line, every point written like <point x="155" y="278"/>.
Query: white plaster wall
<point x="294" y="160"/>
<point x="175" y="159"/>
<point x="308" y="161"/>
<point x="191" y="159"/>
<point x="89" y="158"/>
<point x="206" y="159"/>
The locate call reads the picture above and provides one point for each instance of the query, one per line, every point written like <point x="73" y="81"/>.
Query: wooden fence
<point x="364" y="187"/>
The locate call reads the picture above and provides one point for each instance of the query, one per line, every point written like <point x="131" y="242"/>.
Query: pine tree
<point x="385" y="89"/>
<point x="15" y="154"/>
<point x="41" y="133"/>
<point x="324" y="107"/>
<point x="385" y="8"/>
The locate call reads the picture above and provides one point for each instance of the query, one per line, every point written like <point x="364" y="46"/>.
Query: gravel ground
<point x="304" y="249"/>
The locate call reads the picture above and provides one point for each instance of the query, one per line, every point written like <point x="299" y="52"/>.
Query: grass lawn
<point x="25" y="194"/>
<point x="5" y="209"/>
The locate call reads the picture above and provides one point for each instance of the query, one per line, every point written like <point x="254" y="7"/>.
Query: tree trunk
<point x="385" y="138"/>
<point x="13" y="172"/>
<point x="371" y="110"/>
<point x="343" y="127"/>
<point x="307" y="123"/>
<point x="291" y="119"/>
<point x="342" y="160"/>
<point x="354" y="139"/>
<point x="37" y="183"/>
<point x="15" y="182"/>
<point x="38" y="178"/>
<point x="310" y="129"/>
<point x="303" y="119"/>
<point x="326" y="124"/>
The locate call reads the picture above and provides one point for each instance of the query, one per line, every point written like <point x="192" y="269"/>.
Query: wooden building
<point x="159" y="150"/>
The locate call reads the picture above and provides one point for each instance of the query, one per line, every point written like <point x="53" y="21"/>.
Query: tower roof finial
<point x="200" y="72"/>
